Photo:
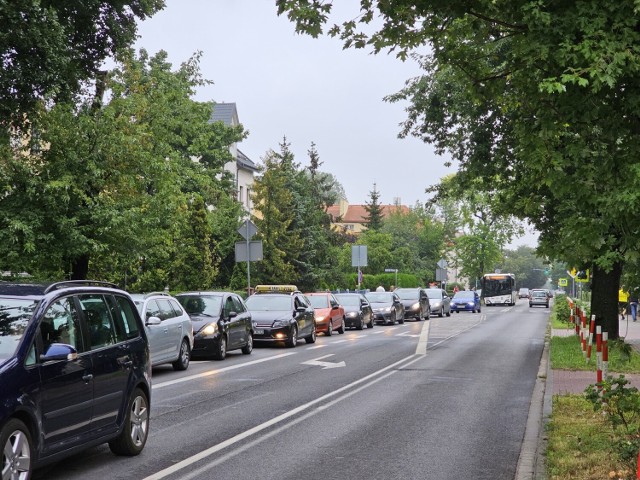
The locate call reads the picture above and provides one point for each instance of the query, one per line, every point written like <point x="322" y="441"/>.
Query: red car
<point x="328" y="311"/>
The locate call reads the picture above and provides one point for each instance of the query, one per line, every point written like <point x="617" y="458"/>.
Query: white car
<point x="168" y="328"/>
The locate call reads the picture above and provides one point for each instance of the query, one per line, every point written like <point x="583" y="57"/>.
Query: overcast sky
<point x="309" y="90"/>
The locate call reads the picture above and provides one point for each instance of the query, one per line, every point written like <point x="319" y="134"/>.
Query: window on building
<point x="240" y="193"/>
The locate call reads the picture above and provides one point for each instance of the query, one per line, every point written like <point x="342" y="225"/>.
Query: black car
<point x="357" y="311"/>
<point x="74" y="370"/>
<point x="416" y="303"/>
<point x="221" y="322"/>
<point x="281" y="314"/>
<point x="386" y="306"/>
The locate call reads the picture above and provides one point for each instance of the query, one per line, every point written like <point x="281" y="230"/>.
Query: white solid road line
<point x="421" y="348"/>
<point x="219" y="370"/>
<point x="187" y="462"/>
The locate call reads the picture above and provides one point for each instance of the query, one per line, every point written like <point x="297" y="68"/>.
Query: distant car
<point x="357" y="310"/>
<point x="281" y="314"/>
<point x="168" y="328"/>
<point x="465" y="301"/>
<point x="328" y="312"/>
<point x="523" y="293"/>
<point x="75" y="373"/>
<point x="538" y="297"/>
<point x="440" y="301"/>
<point x="221" y="323"/>
<point x="386" y="307"/>
<point x="416" y="303"/>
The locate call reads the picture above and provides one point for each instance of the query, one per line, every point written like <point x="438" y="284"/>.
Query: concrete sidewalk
<point x="573" y="381"/>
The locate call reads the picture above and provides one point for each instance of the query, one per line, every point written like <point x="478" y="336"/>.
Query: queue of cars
<point x="76" y="356"/>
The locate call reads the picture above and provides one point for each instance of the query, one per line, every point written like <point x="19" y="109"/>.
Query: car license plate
<point x="258" y="332"/>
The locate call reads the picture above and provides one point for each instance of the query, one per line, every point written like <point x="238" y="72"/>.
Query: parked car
<point x="523" y="293"/>
<point x="386" y="307"/>
<point x="357" y="310"/>
<point x="416" y="303"/>
<point x="75" y="373"/>
<point x="465" y="301"/>
<point x="221" y="323"/>
<point x="329" y="313"/>
<point x="440" y="301"/>
<point x="538" y="297"/>
<point x="168" y="328"/>
<point x="281" y="313"/>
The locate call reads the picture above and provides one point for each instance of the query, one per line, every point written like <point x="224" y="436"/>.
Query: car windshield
<point x="349" y="300"/>
<point x="269" y="303"/>
<point x="463" y="295"/>
<point x="201" y="305"/>
<point x="436" y="294"/>
<point x="319" y="301"/>
<point x="380" y="297"/>
<point x="14" y="318"/>
<point x="408" y="294"/>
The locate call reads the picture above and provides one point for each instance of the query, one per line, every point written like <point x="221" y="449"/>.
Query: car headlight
<point x="415" y="306"/>
<point x="210" y="329"/>
<point x="387" y="309"/>
<point x="352" y="314"/>
<point x="319" y="318"/>
<point x="436" y="303"/>
<point x="280" y="323"/>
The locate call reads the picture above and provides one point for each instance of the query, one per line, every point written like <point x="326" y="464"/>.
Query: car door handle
<point x="125" y="362"/>
<point x="87" y="378"/>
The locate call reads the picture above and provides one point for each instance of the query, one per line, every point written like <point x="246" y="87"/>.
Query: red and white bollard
<point x="592" y="327"/>
<point x="605" y="354"/>
<point x="599" y="354"/>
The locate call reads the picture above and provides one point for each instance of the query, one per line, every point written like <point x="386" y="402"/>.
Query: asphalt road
<point x="446" y="398"/>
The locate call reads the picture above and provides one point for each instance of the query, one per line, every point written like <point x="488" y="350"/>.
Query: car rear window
<point x="14" y="318"/>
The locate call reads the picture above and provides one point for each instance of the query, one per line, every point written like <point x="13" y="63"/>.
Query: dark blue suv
<point x="74" y="373"/>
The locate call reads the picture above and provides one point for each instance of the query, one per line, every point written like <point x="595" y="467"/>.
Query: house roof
<point x="359" y="214"/>
<point x="225" y="112"/>
<point x="245" y="162"/>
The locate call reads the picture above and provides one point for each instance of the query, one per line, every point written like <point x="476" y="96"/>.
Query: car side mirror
<point x="301" y="309"/>
<point x="59" y="351"/>
<point x="153" y="321"/>
<point x="365" y="304"/>
<point x="233" y="314"/>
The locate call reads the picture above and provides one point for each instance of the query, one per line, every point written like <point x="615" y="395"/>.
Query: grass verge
<point x="566" y="354"/>
<point x="580" y="445"/>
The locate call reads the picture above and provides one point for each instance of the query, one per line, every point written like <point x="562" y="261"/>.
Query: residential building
<point x="353" y="218"/>
<point x="242" y="168"/>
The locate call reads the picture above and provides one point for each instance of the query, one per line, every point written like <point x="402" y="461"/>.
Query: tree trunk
<point x="604" y="299"/>
<point x="80" y="268"/>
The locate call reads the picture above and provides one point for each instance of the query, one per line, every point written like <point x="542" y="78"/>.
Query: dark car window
<point x="60" y="324"/>
<point x="409" y="294"/>
<point x="238" y="304"/>
<point x="381" y="297"/>
<point x="153" y="309"/>
<point x="166" y="312"/>
<point x="201" y="305"/>
<point x="269" y="302"/>
<point x="177" y="309"/>
<point x="99" y="322"/>
<point x="228" y="307"/>
<point x="434" y="293"/>
<point x="349" y="300"/>
<point x="127" y="317"/>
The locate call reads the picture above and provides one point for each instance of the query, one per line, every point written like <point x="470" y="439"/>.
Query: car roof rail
<point x="79" y="283"/>
<point x="151" y="294"/>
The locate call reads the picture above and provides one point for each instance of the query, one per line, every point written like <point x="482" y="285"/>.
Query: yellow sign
<point x="582" y="276"/>
<point x="563" y="282"/>
<point x="573" y="272"/>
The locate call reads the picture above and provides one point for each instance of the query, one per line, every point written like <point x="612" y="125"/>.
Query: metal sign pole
<point x="248" y="262"/>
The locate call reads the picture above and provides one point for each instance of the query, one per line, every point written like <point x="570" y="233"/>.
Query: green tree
<point x="539" y="97"/>
<point x="274" y="203"/>
<point x="526" y="266"/>
<point x="48" y="49"/>
<point x="374" y="218"/>
<point x="110" y="189"/>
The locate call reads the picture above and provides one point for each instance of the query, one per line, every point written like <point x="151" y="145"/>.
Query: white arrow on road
<point x="324" y="365"/>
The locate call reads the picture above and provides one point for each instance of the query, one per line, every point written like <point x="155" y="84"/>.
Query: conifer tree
<point x="374" y="219"/>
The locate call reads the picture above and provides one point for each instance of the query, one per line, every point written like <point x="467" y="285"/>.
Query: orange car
<point x="328" y="311"/>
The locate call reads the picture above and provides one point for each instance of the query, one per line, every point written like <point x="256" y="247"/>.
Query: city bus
<point x="499" y="289"/>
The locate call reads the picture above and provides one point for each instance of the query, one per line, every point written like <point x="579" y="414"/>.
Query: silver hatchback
<point x="168" y="329"/>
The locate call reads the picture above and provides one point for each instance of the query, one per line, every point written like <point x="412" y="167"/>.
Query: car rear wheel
<point x="17" y="446"/>
<point x="292" y="341"/>
<point x="134" y="434"/>
<point x="221" y="350"/>
<point x="248" y="348"/>
<point x="182" y="363"/>
<point x="341" y="329"/>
